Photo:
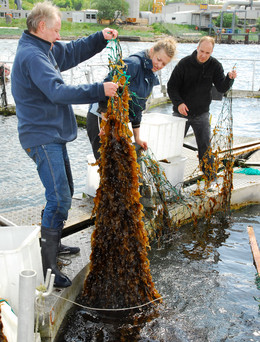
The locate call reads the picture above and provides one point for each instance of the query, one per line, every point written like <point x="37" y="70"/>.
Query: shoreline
<point x="179" y="39"/>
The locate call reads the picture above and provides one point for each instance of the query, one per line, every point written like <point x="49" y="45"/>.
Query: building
<point x="85" y="16"/>
<point x="4" y="3"/>
<point x="203" y="14"/>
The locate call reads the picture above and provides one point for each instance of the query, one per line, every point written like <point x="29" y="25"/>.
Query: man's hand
<point x="232" y="74"/>
<point x="183" y="109"/>
<point x="109" y="33"/>
<point x="110" y="88"/>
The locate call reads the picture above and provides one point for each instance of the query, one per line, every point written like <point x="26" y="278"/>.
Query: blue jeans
<point x="54" y="170"/>
<point x="201" y="128"/>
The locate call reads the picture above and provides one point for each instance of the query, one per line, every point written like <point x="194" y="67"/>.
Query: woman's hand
<point x="142" y="143"/>
<point x="102" y="131"/>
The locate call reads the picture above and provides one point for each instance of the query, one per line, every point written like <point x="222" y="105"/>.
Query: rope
<point x="2" y="301"/>
<point x="102" y="309"/>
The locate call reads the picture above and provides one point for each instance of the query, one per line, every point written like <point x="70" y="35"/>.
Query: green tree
<point x="146" y="5"/>
<point x="77" y="5"/>
<point x="63" y="4"/>
<point x="88" y="4"/>
<point x="111" y="10"/>
<point x="258" y="24"/>
<point x="227" y="20"/>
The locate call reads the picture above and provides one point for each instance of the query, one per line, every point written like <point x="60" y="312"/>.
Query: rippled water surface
<point x="207" y="278"/>
<point x="20" y="184"/>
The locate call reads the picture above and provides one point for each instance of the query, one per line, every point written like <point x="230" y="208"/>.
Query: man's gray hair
<point x="42" y="11"/>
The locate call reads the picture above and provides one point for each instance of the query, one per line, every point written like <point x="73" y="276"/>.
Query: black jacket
<point x="191" y="83"/>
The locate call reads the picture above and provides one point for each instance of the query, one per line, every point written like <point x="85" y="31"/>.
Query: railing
<point x="255" y="72"/>
<point x="227" y="63"/>
<point x="248" y="75"/>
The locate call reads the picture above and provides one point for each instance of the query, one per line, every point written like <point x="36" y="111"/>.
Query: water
<point x="206" y="273"/>
<point x="18" y="177"/>
<point x="209" y="275"/>
<point x="20" y="184"/>
<point x="208" y="279"/>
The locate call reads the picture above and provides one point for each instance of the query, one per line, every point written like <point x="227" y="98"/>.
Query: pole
<point x="27" y="285"/>
<point x="254" y="248"/>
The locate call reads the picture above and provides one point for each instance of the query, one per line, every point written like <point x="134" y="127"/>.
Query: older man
<point x="46" y="121"/>
<point x="190" y="90"/>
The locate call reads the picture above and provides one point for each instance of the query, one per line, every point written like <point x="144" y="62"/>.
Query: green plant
<point x="227" y="20"/>
<point x="111" y="10"/>
<point x="146" y="5"/>
<point x="159" y="28"/>
<point x="258" y="24"/>
<point x="63" y="3"/>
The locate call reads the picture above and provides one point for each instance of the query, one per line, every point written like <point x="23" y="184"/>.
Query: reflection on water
<point x="207" y="276"/>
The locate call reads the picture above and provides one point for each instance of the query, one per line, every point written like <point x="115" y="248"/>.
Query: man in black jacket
<point x="189" y="89"/>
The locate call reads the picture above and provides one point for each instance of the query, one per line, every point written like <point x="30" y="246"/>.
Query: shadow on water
<point x="207" y="278"/>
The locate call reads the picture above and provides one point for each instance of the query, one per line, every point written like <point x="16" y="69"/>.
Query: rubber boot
<point x="67" y="250"/>
<point x="62" y="249"/>
<point x="50" y="239"/>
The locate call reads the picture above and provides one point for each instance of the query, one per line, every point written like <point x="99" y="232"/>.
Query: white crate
<point x="164" y="134"/>
<point x="93" y="177"/>
<point x="19" y="250"/>
<point x="174" y="170"/>
<point x="10" y="322"/>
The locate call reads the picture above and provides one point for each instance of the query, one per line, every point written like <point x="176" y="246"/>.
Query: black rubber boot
<point x="62" y="249"/>
<point x="67" y="250"/>
<point x="50" y="239"/>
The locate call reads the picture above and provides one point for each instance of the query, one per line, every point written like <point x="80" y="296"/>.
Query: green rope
<point x="248" y="171"/>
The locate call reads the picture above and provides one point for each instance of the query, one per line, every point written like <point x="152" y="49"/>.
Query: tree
<point x="146" y="5"/>
<point x="77" y="5"/>
<point x="111" y="10"/>
<point x="258" y="24"/>
<point x="227" y="20"/>
<point x="63" y="3"/>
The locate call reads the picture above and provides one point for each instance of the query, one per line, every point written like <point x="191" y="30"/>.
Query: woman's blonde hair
<point x="168" y="44"/>
<point x="42" y="11"/>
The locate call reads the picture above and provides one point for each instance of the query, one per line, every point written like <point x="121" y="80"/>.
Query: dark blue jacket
<point x="43" y="100"/>
<point x="142" y="80"/>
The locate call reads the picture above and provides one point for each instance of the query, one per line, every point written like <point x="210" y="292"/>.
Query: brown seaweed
<point x="119" y="275"/>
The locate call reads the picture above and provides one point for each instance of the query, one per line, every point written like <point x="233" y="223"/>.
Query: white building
<point x="4" y="3"/>
<point x="134" y="6"/>
<point x="86" y="16"/>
